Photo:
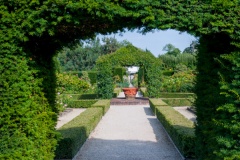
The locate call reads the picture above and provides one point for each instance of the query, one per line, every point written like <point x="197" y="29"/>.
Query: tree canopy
<point x="83" y="56"/>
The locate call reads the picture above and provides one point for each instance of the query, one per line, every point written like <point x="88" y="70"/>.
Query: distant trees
<point x="173" y="56"/>
<point x="171" y="50"/>
<point x="84" y="55"/>
<point x="192" y="49"/>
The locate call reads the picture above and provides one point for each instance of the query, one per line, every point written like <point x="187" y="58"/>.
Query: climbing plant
<point x="31" y="31"/>
<point x="128" y="56"/>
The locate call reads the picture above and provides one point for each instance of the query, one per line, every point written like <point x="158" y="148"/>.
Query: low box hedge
<point x="75" y="133"/>
<point x="81" y="103"/>
<point x="88" y="96"/>
<point x="103" y="103"/>
<point x="180" y="129"/>
<point x="178" y="101"/>
<point x="154" y="102"/>
<point x="176" y="95"/>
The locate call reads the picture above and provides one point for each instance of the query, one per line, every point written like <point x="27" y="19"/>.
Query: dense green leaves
<point x="31" y="31"/>
<point x="83" y="56"/>
<point x="26" y="125"/>
<point x="132" y="56"/>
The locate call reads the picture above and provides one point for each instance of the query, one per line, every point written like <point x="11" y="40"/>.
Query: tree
<point x="171" y="50"/>
<point x="192" y="49"/>
<point x="83" y="56"/>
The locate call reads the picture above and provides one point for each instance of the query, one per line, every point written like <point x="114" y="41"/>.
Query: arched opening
<point x="32" y="32"/>
<point x="128" y="56"/>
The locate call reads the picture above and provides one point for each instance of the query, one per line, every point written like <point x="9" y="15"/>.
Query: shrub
<point x="144" y="91"/>
<point x="27" y="120"/>
<point x="75" y="133"/>
<point x="116" y="91"/>
<point x="176" y="95"/>
<point x="180" y="129"/>
<point x="154" y="102"/>
<point x="71" y="84"/>
<point x="178" y="101"/>
<point x="104" y="104"/>
<point x="80" y="103"/>
<point x="178" y="82"/>
<point x="92" y="76"/>
<point x="88" y="96"/>
<point x="120" y="72"/>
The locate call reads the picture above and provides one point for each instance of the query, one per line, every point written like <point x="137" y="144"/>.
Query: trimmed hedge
<point x="116" y="92"/>
<point x="88" y="96"/>
<point x="176" y="95"/>
<point x="144" y="91"/>
<point x="81" y="103"/>
<point x="119" y="71"/>
<point x="104" y="104"/>
<point x="180" y="129"/>
<point x="92" y="76"/>
<point x="75" y="133"/>
<point x="178" y="101"/>
<point x="154" y="102"/>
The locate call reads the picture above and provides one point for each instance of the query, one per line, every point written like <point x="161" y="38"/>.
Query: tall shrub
<point x="216" y="103"/>
<point x="26" y="120"/>
<point x="105" y="80"/>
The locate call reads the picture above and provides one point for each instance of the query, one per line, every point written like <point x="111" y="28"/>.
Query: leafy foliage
<point x="83" y="56"/>
<point x="183" y="81"/>
<point x="29" y="126"/>
<point x="32" y="31"/>
<point x="71" y="84"/>
<point x="170" y="61"/>
<point x="130" y="56"/>
<point x="171" y="50"/>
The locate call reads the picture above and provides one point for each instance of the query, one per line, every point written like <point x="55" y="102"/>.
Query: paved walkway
<point x="129" y="133"/>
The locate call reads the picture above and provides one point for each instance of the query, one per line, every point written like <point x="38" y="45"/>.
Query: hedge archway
<point x="128" y="56"/>
<point x="32" y="31"/>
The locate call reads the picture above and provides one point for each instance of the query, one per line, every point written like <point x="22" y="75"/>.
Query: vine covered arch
<point x="128" y="56"/>
<point x="31" y="31"/>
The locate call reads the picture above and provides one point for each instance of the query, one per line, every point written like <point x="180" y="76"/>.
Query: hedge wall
<point x="119" y="71"/>
<point x="26" y="117"/>
<point x="175" y="102"/>
<point x="155" y="102"/>
<point x="80" y="103"/>
<point x="75" y="133"/>
<point x="32" y="31"/>
<point x="92" y="76"/>
<point x="180" y="129"/>
<point x="129" y="56"/>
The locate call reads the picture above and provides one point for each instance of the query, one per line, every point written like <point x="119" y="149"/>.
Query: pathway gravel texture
<point x="68" y="116"/>
<point x="129" y="133"/>
<point x="186" y="113"/>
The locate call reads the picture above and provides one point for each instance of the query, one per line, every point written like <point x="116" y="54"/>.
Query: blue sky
<point x="155" y="41"/>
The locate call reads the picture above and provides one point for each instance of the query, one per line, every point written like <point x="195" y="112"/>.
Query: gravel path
<point x="129" y="133"/>
<point x="68" y="116"/>
<point x="186" y="113"/>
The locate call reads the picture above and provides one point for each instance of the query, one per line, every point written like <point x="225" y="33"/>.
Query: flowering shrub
<point x="71" y="84"/>
<point x="67" y="83"/>
<point x="178" y="82"/>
